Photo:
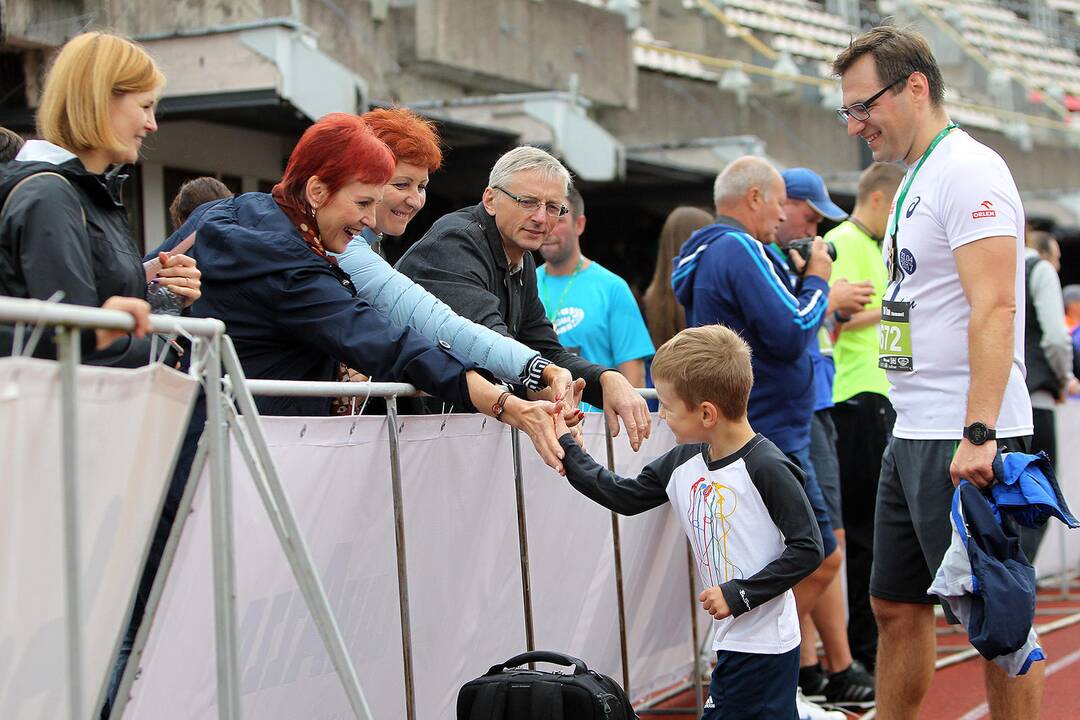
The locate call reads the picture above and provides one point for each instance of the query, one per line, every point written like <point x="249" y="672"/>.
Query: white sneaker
<point x="812" y="711"/>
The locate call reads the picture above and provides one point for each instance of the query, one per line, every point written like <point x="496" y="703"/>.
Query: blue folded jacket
<point x="984" y="577"/>
<point x="1027" y="490"/>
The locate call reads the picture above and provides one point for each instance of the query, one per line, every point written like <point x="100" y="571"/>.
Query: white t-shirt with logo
<point x="963" y="193"/>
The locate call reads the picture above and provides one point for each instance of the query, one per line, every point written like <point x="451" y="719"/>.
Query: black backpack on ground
<point x="508" y="692"/>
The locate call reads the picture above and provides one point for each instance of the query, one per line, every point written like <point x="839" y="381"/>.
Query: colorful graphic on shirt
<point x="709" y="511"/>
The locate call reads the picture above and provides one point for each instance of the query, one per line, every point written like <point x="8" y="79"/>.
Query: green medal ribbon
<point x="552" y="314"/>
<point x="904" y="191"/>
<point x="894" y="332"/>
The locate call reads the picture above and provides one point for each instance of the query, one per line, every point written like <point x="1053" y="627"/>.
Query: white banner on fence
<point x="465" y="584"/>
<point x="130" y="423"/>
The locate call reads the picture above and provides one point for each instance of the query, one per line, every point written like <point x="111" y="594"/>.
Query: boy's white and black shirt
<point x="748" y="521"/>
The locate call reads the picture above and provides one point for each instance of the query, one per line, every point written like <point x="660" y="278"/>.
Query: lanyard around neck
<point x="904" y="192"/>
<point x="552" y="314"/>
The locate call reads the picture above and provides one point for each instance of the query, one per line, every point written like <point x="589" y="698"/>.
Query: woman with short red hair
<point x="414" y="142"/>
<point x="293" y="314"/>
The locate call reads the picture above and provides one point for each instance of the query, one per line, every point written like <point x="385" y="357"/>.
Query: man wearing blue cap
<point x="821" y="603"/>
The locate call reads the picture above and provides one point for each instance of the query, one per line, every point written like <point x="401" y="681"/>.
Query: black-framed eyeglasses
<point x="530" y="204"/>
<point x="861" y="110"/>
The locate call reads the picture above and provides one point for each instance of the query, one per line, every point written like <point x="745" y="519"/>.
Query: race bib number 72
<point x="894" y="337"/>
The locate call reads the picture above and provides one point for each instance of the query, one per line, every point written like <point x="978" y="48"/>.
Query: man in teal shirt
<point x="861" y="410"/>
<point x="593" y="310"/>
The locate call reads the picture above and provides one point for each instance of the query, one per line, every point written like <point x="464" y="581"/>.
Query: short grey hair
<point x="741" y="174"/>
<point x="575" y="201"/>
<point x="528" y="159"/>
<point x="1070" y="294"/>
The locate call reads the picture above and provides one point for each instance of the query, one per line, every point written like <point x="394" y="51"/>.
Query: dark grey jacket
<point x="461" y="261"/>
<point x="68" y="233"/>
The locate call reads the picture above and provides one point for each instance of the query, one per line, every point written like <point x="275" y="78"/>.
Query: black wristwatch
<point x="977" y="433"/>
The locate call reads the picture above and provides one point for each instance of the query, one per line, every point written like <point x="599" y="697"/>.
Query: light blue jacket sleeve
<point x="407" y="304"/>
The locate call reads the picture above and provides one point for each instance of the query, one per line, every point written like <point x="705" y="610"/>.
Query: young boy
<point x="742" y="505"/>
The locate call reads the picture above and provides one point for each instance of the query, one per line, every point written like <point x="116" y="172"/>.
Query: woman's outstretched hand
<point x="536" y="418"/>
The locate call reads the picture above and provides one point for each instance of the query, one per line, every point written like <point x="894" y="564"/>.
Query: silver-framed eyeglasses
<point x="530" y="204"/>
<point x="861" y="110"/>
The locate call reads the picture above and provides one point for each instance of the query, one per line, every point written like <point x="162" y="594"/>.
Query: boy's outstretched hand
<point x="714" y="603"/>
<point x="569" y="421"/>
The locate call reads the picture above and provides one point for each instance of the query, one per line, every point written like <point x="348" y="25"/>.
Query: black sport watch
<point x="977" y="433"/>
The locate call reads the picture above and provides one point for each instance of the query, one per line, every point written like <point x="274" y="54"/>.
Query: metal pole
<point x="158" y="586"/>
<point x="620" y="598"/>
<point x="523" y="540"/>
<point x="277" y="521"/>
<point x="221" y="528"/>
<point x="402" y="565"/>
<point x="292" y="540"/>
<point x="699" y="688"/>
<point x="69" y="448"/>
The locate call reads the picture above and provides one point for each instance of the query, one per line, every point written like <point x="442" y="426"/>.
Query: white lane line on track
<point x="1044" y="629"/>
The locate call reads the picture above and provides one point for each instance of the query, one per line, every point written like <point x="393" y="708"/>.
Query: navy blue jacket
<point x="723" y="275"/>
<point x="294" y="316"/>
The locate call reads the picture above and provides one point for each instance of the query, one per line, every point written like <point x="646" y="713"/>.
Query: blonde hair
<point x="88" y="72"/>
<point x="710" y="363"/>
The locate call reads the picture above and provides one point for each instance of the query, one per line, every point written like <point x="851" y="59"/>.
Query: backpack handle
<point x="548" y="656"/>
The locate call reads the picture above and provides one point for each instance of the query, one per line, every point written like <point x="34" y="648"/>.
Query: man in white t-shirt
<point x="951" y="340"/>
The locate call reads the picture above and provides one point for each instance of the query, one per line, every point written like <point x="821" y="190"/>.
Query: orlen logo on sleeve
<point x="986" y="212"/>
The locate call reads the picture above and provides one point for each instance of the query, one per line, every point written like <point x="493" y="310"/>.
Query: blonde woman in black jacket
<point x="63" y="225"/>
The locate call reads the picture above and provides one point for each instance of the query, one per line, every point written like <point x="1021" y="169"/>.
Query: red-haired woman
<point x="415" y="144"/>
<point x="293" y="314"/>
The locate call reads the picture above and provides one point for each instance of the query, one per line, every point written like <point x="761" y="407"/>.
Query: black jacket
<point x="461" y="261"/>
<point x="71" y="234"/>
<point x="294" y="316"/>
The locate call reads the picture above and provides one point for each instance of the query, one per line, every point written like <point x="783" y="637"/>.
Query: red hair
<point x="411" y="138"/>
<point x="339" y="149"/>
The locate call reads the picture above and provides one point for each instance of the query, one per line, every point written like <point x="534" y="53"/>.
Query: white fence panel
<point x="464" y="575"/>
<point x="131" y="422"/>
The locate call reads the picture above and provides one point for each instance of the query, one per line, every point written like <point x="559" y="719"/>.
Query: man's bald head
<point x="751" y="190"/>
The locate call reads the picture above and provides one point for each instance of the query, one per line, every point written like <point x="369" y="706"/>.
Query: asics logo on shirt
<point x="912" y="206"/>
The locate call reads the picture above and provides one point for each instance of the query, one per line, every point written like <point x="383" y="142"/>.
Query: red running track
<point x="957" y="692"/>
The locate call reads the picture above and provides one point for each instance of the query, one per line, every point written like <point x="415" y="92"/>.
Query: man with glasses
<point x="951" y="341"/>
<point x="478" y="261"/>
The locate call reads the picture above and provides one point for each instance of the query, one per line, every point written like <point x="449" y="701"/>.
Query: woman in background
<point x="664" y="315"/>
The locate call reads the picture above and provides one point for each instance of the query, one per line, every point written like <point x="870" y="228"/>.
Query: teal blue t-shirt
<point x="595" y="316"/>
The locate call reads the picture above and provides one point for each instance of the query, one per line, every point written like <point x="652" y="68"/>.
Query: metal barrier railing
<point x="212" y="351"/>
<point x="391" y="392"/>
<point x="70" y="321"/>
<point x="228" y="396"/>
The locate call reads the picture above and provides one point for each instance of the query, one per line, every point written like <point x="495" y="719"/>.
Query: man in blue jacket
<point x="727" y="274"/>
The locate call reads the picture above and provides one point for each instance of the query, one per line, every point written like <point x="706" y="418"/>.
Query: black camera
<point x="804" y="246"/>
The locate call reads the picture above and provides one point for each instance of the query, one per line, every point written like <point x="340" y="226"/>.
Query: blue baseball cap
<point x="805" y="184"/>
